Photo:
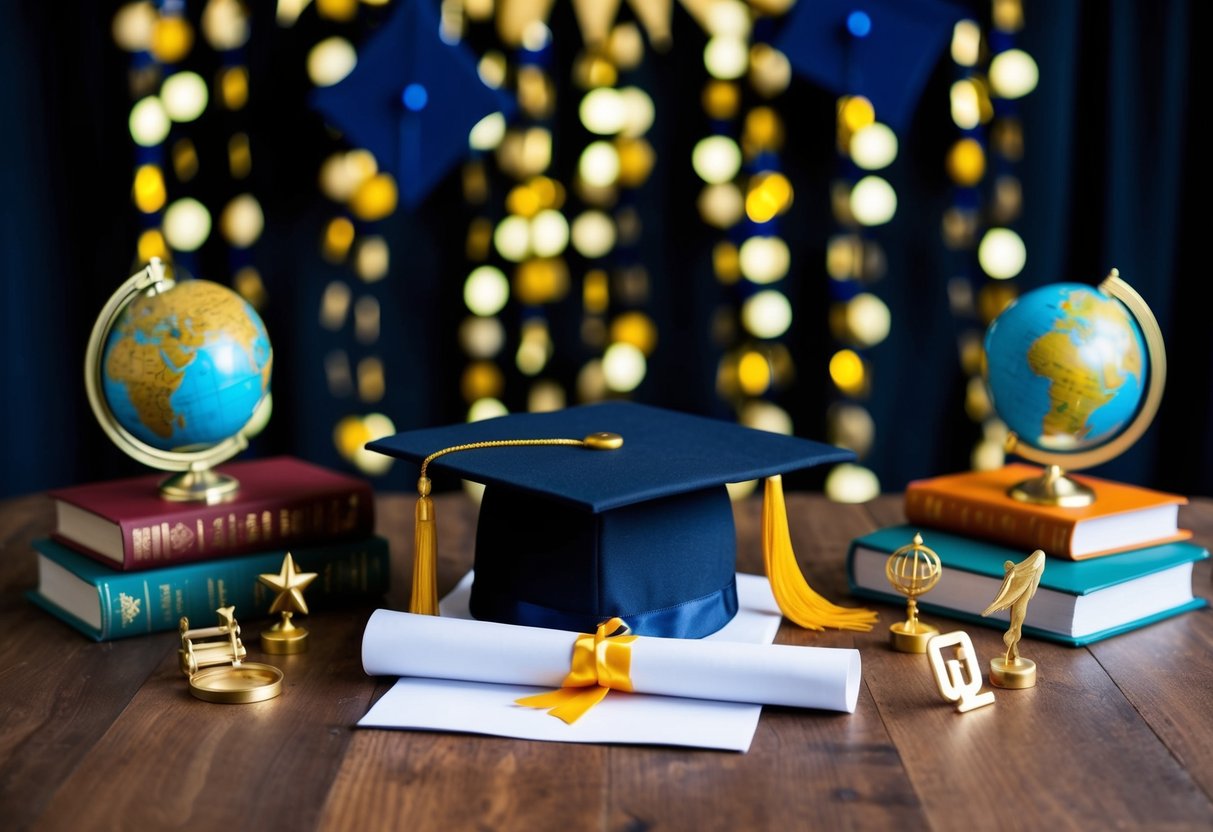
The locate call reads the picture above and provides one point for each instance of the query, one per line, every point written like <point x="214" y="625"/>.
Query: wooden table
<point x="1119" y="734"/>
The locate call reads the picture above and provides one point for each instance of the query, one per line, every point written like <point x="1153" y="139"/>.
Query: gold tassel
<point x="797" y="600"/>
<point x="424" y="599"/>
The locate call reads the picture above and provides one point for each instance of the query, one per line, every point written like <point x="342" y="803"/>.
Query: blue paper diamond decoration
<point x="411" y="100"/>
<point x="881" y="49"/>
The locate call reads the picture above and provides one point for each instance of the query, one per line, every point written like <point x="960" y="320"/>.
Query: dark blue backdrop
<point x="1112" y="177"/>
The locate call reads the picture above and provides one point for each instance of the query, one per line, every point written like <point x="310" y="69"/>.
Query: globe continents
<point x="1066" y="366"/>
<point x="185" y="368"/>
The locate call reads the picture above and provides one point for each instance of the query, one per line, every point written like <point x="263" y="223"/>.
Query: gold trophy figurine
<point x="1018" y="586"/>
<point x="912" y="570"/>
<point x="285" y="637"/>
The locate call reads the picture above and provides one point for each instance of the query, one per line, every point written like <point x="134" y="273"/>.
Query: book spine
<point x="222" y="530"/>
<point x="1021" y="529"/>
<point x="136" y="603"/>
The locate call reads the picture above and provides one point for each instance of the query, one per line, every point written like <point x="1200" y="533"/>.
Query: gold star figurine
<point x="1018" y="586"/>
<point x="285" y="637"/>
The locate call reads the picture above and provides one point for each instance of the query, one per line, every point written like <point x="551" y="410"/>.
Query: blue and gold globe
<point x="186" y="368"/>
<point x="177" y="374"/>
<point x="1066" y="367"/>
<point x="1077" y="373"/>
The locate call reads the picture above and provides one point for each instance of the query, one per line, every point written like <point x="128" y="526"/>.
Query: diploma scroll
<point x="403" y="644"/>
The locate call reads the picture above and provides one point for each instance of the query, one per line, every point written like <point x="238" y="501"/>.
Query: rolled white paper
<point x="404" y="644"/>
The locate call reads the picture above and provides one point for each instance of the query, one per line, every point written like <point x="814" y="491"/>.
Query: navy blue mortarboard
<point x="577" y="527"/>
<point x="412" y="100"/>
<point x="883" y="50"/>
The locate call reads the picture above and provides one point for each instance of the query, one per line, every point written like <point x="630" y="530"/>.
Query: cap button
<point x="603" y="441"/>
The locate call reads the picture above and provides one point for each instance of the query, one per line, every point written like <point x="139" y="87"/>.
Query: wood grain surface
<point x="105" y="736"/>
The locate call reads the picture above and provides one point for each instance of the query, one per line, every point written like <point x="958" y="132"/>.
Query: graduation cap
<point x="614" y="510"/>
<point x="883" y="50"/>
<point x="412" y="99"/>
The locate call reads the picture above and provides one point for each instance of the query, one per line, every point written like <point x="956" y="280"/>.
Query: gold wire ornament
<point x="912" y="570"/>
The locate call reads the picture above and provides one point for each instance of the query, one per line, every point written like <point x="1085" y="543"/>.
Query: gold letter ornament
<point x="958" y="679"/>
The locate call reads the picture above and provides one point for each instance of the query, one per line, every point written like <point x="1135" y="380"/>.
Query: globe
<point x="176" y="372"/>
<point x="1077" y="373"/>
<point x="186" y="368"/>
<point x="1066" y="367"/>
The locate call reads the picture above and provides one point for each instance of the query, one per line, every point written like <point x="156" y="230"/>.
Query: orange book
<point x="976" y="504"/>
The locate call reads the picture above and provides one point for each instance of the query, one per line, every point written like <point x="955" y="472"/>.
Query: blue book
<point x="1078" y="602"/>
<point x="105" y="604"/>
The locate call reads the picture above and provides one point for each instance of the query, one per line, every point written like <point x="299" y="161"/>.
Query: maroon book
<point x="282" y="501"/>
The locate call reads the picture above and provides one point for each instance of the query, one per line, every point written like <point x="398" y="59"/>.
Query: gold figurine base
<point x="905" y="639"/>
<point x="1016" y="675"/>
<point x="284" y="638"/>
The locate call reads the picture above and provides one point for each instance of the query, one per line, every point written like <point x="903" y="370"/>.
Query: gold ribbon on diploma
<point x="602" y="661"/>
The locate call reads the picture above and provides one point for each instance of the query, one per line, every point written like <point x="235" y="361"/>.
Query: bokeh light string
<point x="169" y="99"/>
<point x="351" y="240"/>
<point x="618" y="335"/>
<point x="862" y="200"/>
<point x="745" y="194"/>
<point x="979" y="226"/>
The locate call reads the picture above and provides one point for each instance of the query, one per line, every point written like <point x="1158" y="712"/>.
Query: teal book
<point x="1078" y="602"/>
<point x="106" y="604"/>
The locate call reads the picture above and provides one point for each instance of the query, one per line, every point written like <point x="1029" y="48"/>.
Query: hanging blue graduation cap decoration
<point x="883" y="50"/>
<point x="412" y="100"/>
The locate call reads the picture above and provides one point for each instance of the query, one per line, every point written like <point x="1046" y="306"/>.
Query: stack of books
<point x="1114" y="566"/>
<point x="122" y="561"/>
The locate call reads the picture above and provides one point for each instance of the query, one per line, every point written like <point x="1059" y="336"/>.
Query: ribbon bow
<point x="602" y="661"/>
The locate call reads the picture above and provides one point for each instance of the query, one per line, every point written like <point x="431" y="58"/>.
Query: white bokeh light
<point x="716" y="159"/>
<point x="602" y="111"/>
<point x="873" y="201"/>
<point x="486" y="290"/>
<point x="599" y="164"/>
<point x="330" y="61"/>
<point x="549" y="233"/>
<point x="187" y="224"/>
<point x="764" y="259"/>
<point x="1013" y="74"/>
<point x="184" y="95"/>
<point x="767" y="314"/>
<point x="149" y="123"/>
<point x="623" y="367"/>
<point x="874" y="147"/>
<point x="593" y="234"/>
<point x="1002" y="253"/>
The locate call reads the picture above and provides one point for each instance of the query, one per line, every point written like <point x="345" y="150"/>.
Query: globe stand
<point x="1016" y="674"/>
<point x="1053" y="488"/>
<point x="203" y="485"/>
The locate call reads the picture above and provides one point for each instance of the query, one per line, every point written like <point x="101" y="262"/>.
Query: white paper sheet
<point x="478" y="707"/>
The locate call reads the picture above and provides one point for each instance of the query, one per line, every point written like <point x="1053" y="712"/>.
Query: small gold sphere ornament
<point x="284" y="637"/>
<point x="912" y="570"/>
